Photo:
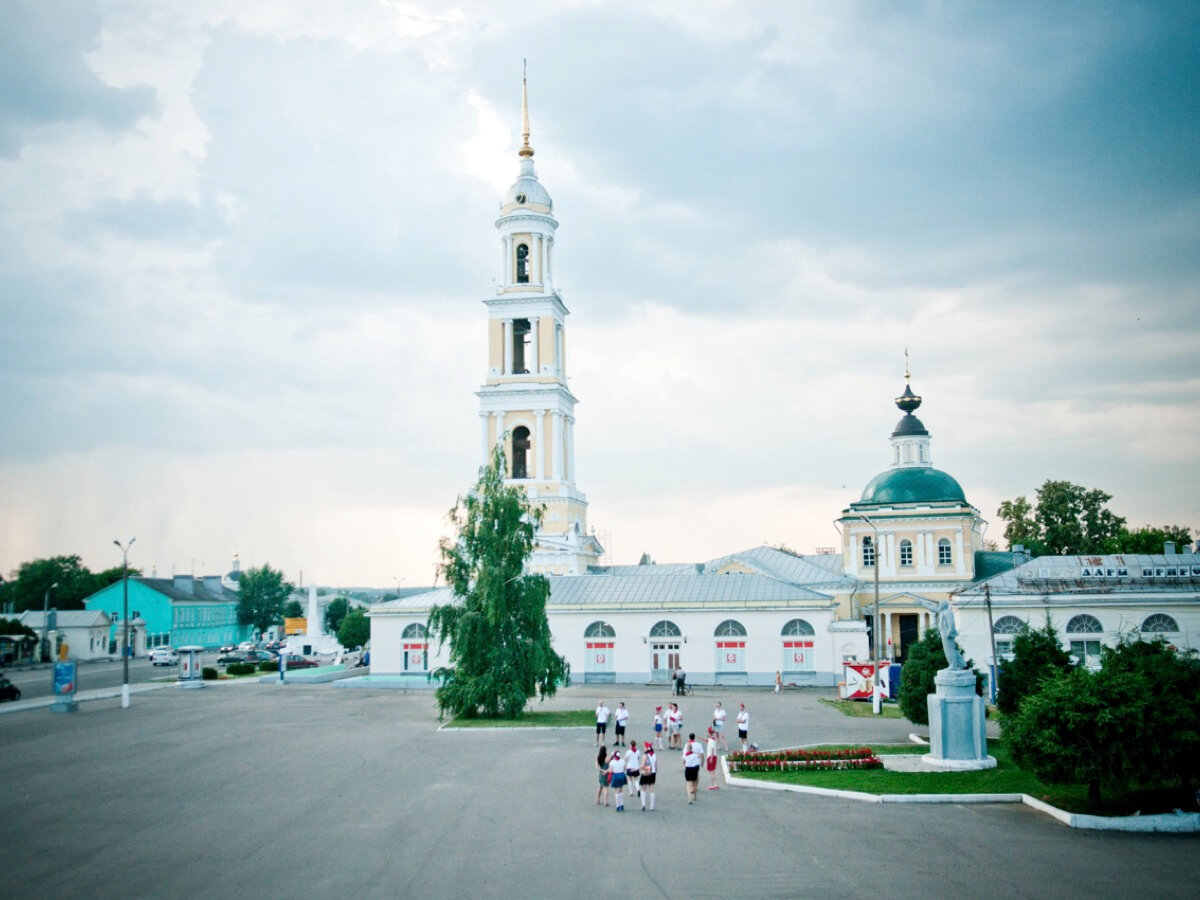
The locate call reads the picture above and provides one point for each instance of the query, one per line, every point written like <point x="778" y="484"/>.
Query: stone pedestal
<point x="957" y="725"/>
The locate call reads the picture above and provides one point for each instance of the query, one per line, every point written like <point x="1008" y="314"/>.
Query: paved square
<point x="254" y="790"/>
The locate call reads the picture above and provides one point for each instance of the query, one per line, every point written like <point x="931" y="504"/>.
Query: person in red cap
<point x="658" y="726"/>
<point x="649" y="775"/>
<point x="710" y="760"/>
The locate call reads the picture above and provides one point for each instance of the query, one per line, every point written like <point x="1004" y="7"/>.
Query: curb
<point x="1170" y="823"/>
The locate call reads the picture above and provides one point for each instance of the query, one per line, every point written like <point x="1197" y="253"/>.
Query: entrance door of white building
<point x="664" y="660"/>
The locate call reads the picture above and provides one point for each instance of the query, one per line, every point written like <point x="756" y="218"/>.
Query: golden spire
<point x="906" y="375"/>
<point x="526" y="151"/>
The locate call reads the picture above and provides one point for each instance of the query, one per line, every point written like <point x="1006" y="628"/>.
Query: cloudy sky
<point x="243" y="249"/>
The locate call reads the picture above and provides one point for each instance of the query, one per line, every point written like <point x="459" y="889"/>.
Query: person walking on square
<point x="718" y="726"/>
<point x="602" y="768"/>
<point x="649" y="776"/>
<point x="693" y="753"/>
<point x="675" y="718"/>
<point x="622" y="718"/>
<point x="658" y="726"/>
<point x="743" y="724"/>
<point x="778" y="682"/>
<point x="633" y="768"/>
<point x="616" y="765"/>
<point x="710" y="760"/>
<point x="602" y="713"/>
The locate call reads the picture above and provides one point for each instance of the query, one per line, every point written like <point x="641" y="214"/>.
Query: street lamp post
<point x="43" y="650"/>
<point x="125" y="615"/>
<point x="877" y="692"/>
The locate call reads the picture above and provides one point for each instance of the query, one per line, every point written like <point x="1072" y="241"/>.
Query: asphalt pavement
<point x="252" y="789"/>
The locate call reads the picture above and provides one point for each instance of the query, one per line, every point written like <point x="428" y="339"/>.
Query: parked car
<point x="164" y="656"/>
<point x="296" y="661"/>
<point x="245" y="646"/>
<point x="228" y="648"/>
<point x="8" y="690"/>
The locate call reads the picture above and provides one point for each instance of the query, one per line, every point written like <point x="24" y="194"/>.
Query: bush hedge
<point x="208" y="673"/>
<point x="241" y="669"/>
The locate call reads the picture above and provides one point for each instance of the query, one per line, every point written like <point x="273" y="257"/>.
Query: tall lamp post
<point x="877" y="692"/>
<point x="125" y="615"/>
<point x="43" y="649"/>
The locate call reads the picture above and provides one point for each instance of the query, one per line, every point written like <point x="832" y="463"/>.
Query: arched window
<point x="796" y="628"/>
<point x="730" y="628"/>
<point x="415" y="630"/>
<point x="868" y="553"/>
<point x="906" y="553"/>
<point x="522" y="346"/>
<point x="945" y="554"/>
<point x="522" y="264"/>
<point x="1087" y="652"/>
<point x="798" y="646"/>
<point x="1084" y="624"/>
<point x="520" y="452"/>
<point x="599" y="630"/>
<point x="1159" y="623"/>
<point x="665" y="628"/>
<point x="1008" y="625"/>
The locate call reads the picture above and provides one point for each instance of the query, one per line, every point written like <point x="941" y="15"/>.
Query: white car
<point x="164" y="656"/>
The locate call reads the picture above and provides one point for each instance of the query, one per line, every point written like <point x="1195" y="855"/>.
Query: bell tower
<point x="525" y="404"/>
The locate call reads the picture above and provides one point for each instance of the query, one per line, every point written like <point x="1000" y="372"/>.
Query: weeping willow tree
<point x="499" y="638"/>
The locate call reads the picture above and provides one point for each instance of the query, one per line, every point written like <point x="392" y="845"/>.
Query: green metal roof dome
<point x="913" y="484"/>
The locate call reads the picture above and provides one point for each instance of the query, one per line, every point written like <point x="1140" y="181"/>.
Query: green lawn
<point x="568" y="718"/>
<point x="862" y="708"/>
<point x="1006" y="778"/>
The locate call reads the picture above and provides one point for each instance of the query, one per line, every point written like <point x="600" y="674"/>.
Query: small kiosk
<point x="191" y="675"/>
<point x="65" y="684"/>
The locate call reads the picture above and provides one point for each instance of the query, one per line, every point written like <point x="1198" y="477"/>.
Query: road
<point x="38" y="682"/>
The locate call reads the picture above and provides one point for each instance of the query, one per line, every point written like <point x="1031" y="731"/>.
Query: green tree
<point x="74" y="581"/>
<point x="335" y="612"/>
<point x="1083" y="727"/>
<point x="1169" y="738"/>
<point x="1068" y="520"/>
<point x="1037" y="655"/>
<point x="1149" y="539"/>
<point x="355" y="629"/>
<point x="500" y="643"/>
<point x="261" y="595"/>
<point x="922" y="661"/>
<point x="293" y="610"/>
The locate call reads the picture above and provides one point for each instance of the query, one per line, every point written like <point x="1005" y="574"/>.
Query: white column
<point x="890" y="541"/>
<point x="548" y="275"/>
<point x="487" y="446"/>
<point x="539" y="454"/>
<point x="508" y="347"/>
<point x="535" y="364"/>
<point x="558" y="445"/>
<point x="535" y="276"/>
<point x="959" y="559"/>
<point x="509" y="274"/>
<point x="499" y="416"/>
<point x="570" y="449"/>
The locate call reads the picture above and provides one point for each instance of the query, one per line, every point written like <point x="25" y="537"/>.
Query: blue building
<point x="179" y="611"/>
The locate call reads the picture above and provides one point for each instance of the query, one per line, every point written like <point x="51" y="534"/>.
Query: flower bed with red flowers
<point x="813" y="760"/>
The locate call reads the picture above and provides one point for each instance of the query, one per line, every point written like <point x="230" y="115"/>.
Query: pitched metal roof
<point x="1107" y="574"/>
<point x="67" y="618"/>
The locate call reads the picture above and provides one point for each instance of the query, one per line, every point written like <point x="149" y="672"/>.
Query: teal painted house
<point x="179" y="612"/>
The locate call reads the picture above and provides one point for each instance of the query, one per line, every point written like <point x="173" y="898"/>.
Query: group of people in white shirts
<point x="638" y="769"/>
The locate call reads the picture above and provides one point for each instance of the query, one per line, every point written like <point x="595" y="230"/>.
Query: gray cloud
<point x="44" y="78"/>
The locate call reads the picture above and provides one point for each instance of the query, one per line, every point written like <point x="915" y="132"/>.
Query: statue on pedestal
<point x="945" y="624"/>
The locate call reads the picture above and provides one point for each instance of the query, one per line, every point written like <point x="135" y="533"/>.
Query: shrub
<point x="241" y="669"/>
<point x="268" y="665"/>
<point x="809" y="760"/>
<point x="1037" y="655"/>
<point x="922" y="662"/>
<point x="208" y="673"/>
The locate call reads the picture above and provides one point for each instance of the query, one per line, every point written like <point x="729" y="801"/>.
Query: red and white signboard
<point x="858" y="680"/>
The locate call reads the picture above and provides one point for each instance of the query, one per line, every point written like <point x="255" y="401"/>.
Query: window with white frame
<point x="906" y="553"/>
<point x="1159" y="623"/>
<point x="868" y="552"/>
<point x="1084" y="647"/>
<point x="945" y="553"/>
<point x="798" y="645"/>
<point x="1003" y="630"/>
<point x="730" y="639"/>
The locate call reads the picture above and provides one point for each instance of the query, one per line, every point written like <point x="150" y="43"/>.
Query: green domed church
<point x="914" y="531"/>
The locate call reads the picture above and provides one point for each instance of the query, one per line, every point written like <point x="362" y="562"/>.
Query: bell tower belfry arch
<point x="525" y="404"/>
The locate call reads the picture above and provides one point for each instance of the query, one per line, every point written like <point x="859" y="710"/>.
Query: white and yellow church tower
<point x="525" y="404"/>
